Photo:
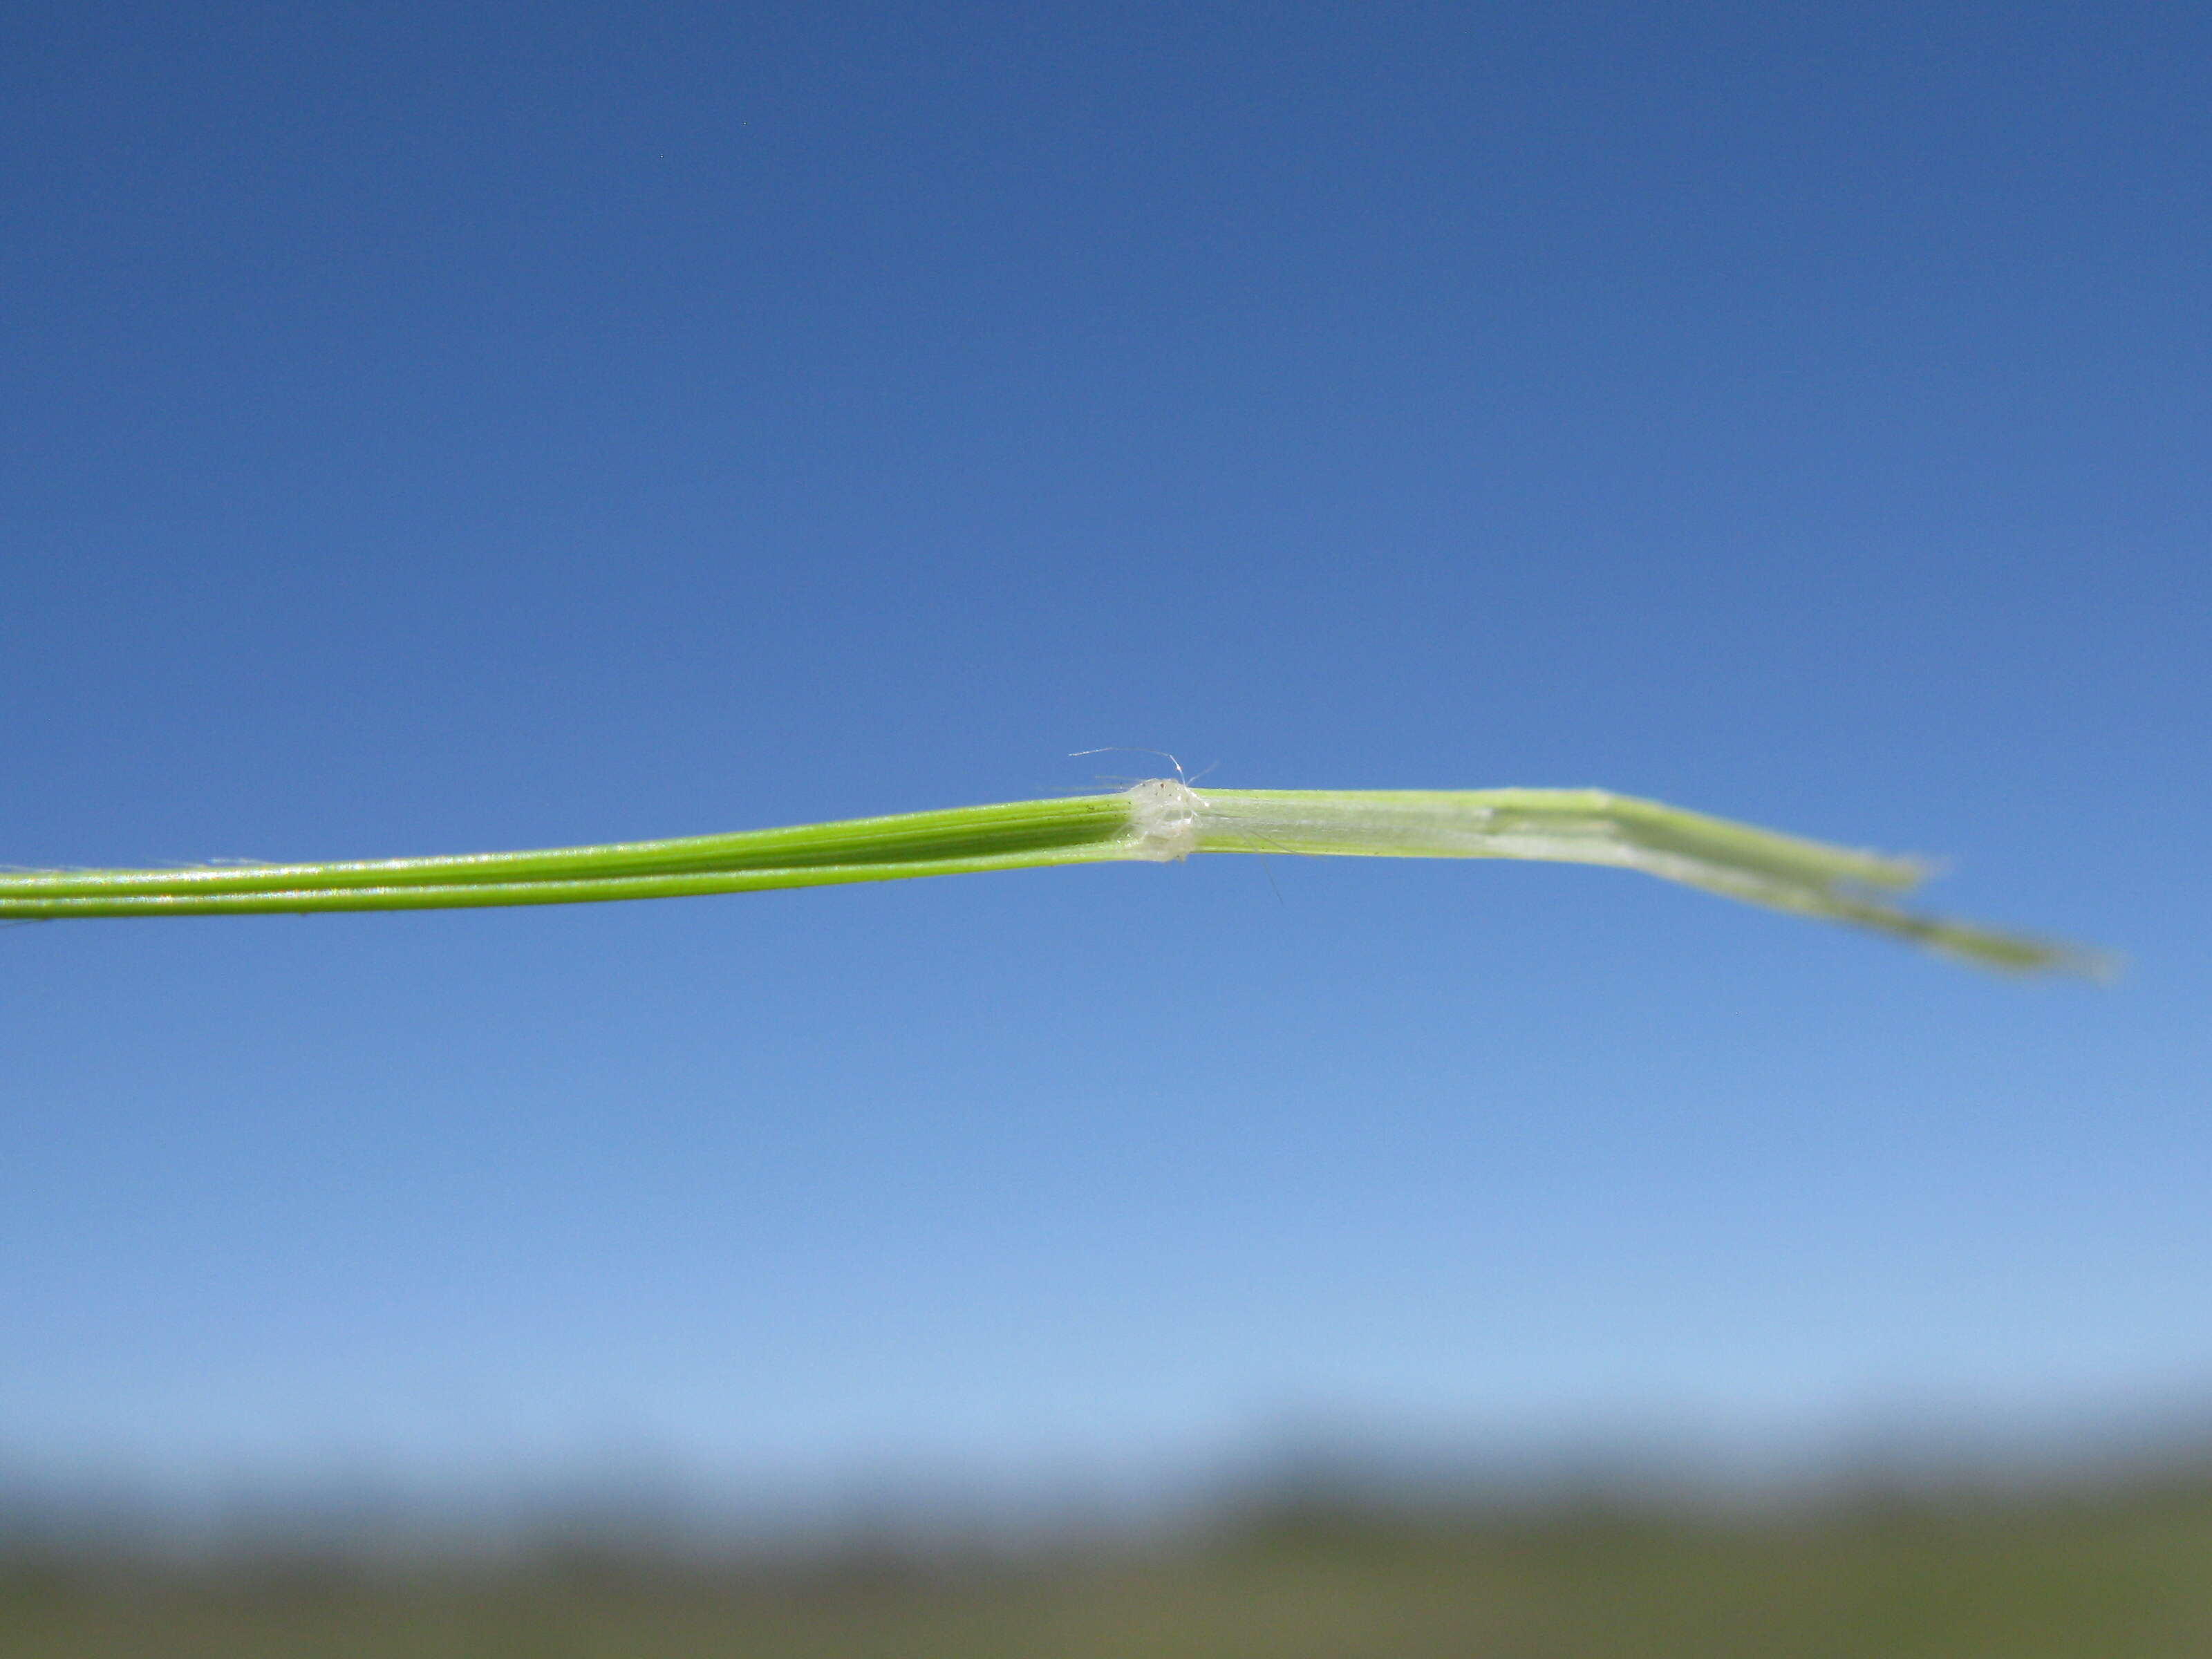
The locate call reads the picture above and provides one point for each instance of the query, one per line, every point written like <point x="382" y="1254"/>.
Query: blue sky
<point x="433" y="430"/>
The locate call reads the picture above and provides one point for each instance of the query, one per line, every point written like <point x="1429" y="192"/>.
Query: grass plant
<point x="1157" y="820"/>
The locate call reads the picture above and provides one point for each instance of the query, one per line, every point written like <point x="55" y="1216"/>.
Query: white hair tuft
<point x="1164" y="819"/>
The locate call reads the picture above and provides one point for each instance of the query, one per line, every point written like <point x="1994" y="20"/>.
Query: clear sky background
<point x="431" y="428"/>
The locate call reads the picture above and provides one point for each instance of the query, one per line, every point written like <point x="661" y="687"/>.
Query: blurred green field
<point x="2111" y="1574"/>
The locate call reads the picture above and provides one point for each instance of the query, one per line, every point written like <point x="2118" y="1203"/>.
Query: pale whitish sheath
<point x="1170" y="820"/>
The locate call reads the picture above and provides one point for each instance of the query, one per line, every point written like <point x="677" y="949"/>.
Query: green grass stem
<point x="1159" y="820"/>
